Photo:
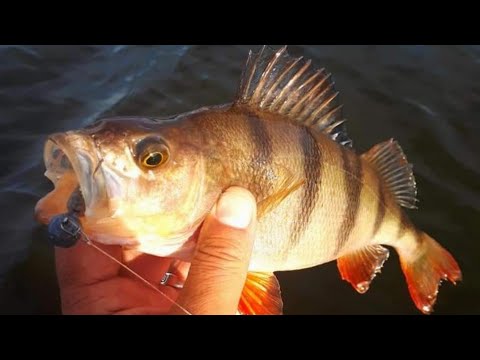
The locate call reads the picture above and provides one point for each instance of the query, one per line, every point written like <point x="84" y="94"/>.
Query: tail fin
<point x="425" y="269"/>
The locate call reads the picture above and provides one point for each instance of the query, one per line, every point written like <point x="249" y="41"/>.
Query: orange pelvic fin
<point x="425" y="269"/>
<point x="261" y="295"/>
<point x="360" y="267"/>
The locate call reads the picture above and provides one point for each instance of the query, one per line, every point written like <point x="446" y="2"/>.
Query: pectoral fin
<point x="271" y="201"/>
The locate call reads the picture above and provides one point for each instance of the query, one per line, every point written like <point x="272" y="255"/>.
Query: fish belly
<point x="345" y="205"/>
<point x="274" y="249"/>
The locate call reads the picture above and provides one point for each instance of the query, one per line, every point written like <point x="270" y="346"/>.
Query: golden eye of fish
<point x="153" y="159"/>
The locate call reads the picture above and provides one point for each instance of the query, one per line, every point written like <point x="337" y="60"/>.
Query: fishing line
<point x="64" y="231"/>
<point x="145" y="281"/>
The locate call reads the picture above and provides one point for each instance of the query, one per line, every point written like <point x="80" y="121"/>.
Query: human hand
<point x="91" y="283"/>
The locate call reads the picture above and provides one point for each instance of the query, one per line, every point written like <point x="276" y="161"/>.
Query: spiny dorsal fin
<point x="396" y="172"/>
<point x="275" y="82"/>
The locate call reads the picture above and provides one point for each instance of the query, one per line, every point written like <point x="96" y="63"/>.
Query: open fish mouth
<point x="85" y="185"/>
<point x="72" y="164"/>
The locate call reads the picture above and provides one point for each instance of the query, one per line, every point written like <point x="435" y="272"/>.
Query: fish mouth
<point x="73" y="156"/>
<point x="84" y="181"/>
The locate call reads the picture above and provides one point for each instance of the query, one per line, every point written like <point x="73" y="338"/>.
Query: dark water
<point x="427" y="97"/>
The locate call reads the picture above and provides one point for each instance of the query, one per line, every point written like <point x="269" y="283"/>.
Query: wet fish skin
<point x="285" y="140"/>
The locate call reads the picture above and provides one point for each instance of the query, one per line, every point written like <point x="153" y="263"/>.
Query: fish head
<point x="143" y="183"/>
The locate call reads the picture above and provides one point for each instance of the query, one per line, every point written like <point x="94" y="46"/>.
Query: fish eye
<point x="152" y="159"/>
<point x="152" y="152"/>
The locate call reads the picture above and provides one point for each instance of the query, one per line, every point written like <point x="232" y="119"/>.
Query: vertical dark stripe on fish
<point x="381" y="208"/>
<point x="261" y="141"/>
<point x="312" y="163"/>
<point x="353" y="172"/>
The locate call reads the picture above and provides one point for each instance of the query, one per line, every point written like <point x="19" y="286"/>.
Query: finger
<point x="219" y="267"/>
<point x="113" y="296"/>
<point x="150" y="267"/>
<point x="83" y="265"/>
<point x="180" y="269"/>
<point x="147" y="310"/>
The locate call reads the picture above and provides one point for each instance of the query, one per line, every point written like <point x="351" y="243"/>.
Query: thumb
<point x="219" y="267"/>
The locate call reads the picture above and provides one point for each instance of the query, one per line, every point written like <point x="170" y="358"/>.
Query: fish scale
<point x="283" y="138"/>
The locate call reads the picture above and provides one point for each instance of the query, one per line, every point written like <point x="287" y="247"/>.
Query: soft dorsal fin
<point x="275" y="82"/>
<point x="393" y="167"/>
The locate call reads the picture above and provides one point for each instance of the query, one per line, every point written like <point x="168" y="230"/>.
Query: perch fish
<point x="148" y="184"/>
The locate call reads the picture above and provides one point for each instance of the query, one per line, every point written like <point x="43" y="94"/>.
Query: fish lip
<point x="81" y="152"/>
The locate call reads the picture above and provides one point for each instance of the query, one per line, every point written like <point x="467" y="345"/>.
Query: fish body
<point x="148" y="183"/>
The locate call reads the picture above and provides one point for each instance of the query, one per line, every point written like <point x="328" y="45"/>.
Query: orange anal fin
<point x="425" y="269"/>
<point x="261" y="295"/>
<point x="360" y="267"/>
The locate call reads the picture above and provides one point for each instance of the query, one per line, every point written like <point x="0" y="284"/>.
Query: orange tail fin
<point x="425" y="269"/>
